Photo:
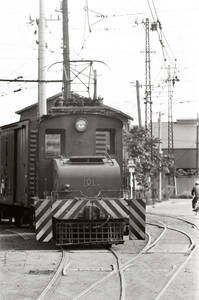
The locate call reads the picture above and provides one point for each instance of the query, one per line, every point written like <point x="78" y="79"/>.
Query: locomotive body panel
<point x="89" y="178"/>
<point x="58" y="136"/>
<point x="43" y="161"/>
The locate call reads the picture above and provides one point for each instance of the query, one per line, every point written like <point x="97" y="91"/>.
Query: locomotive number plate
<point x="89" y="181"/>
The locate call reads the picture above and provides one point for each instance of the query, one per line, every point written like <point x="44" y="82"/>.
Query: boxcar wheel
<point x="18" y="220"/>
<point x="108" y="246"/>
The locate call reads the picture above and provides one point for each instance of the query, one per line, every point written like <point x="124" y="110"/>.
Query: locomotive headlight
<point x="81" y="125"/>
<point x="67" y="186"/>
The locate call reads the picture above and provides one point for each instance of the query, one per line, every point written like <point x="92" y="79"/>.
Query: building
<point x="184" y="138"/>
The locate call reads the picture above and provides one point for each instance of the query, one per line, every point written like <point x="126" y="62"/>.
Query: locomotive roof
<point x="98" y="109"/>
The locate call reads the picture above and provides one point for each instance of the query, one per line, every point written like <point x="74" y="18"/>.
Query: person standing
<point x="195" y="194"/>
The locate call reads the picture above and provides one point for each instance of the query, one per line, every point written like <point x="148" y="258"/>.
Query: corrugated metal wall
<point x="184" y="185"/>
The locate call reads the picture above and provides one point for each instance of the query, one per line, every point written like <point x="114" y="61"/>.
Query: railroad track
<point x="137" y="259"/>
<point x="7" y="231"/>
<point x="12" y="233"/>
<point x="65" y="269"/>
<point x="115" y="272"/>
<point x="166" y="228"/>
<point x="193" y="247"/>
<point x="56" y="277"/>
<point x="121" y="270"/>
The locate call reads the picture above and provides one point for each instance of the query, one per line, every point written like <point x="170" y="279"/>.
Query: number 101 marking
<point x="89" y="181"/>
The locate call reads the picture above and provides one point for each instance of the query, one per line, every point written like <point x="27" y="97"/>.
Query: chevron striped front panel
<point x="71" y="209"/>
<point x="68" y="209"/>
<point x="43" y="219"/>
<point x="115" y="208"/>
<point x="137" y="219"/>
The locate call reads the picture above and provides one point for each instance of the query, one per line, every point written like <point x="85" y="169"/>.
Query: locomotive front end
<point x="87" y="175"/>
<point x="86" y="205"/>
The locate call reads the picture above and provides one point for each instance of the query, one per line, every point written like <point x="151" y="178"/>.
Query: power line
<point x="161" y="35"/>
<point x="155" y="9"/>
<point x="28" y="80"/>
<point x="150" y="10"/>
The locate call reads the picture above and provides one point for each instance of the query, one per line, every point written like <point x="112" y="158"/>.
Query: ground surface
<point x="186" y="283"/>
<point x="166" y="271"/>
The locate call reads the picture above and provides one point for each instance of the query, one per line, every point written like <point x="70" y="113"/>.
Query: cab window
<point x="54" y="142"/>
<point x="105" y="141"/>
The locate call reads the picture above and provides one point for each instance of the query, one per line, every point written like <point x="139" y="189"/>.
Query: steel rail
<point x="114" y="271"/>
<point x="148" y="246"/>
<point x="172" y="278"/>
<point x="159" y="237"/>
<point x="177" y="230"/>
<point x="61" y="268"/>
<point x="121" y="276"/>
<point x="20" y="234"/>
<point x="192" y="245"/>
<point x="193" y="249"/>
<point x="173" y="217"/>
<point x="89" y="289"/>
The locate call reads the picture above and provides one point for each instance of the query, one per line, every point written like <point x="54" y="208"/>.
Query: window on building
<point x="105" y="141"/>
<point x="54" y="142"/>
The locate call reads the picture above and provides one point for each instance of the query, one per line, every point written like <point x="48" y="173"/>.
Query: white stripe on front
<point x="44" y="229"/>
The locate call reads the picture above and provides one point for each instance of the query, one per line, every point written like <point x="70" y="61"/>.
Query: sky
<point x="110" y="31"/>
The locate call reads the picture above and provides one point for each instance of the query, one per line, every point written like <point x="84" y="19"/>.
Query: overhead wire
<point x="168" y="54"/>
<point x="88" y="17"/>
<point x="161" y="34"/>
<point x="155" y="9"/>
<point x="151" y="10"/>
<point x="86" y="21"/>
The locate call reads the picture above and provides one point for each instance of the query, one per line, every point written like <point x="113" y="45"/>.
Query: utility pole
<point x="160" y="153"/>
<point x="148" y="101"/>
<point x="95" y="85"/>
<point x="170" y="114"/>
<point x="138" y="103"/>
<point x="197" y="144"/>
<point x="171" y="82"/>
<point x="41" y="61"/>
<point x="66" y="52"/>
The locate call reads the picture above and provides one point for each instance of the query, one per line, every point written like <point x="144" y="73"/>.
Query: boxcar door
<point x="21" y="165"/>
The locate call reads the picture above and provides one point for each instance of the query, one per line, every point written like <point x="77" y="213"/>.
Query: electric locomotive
<point x="64" y="173"/>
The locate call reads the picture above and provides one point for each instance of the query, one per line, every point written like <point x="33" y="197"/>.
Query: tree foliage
<point x="79" y="100"/>
<point x="144" y="150"/>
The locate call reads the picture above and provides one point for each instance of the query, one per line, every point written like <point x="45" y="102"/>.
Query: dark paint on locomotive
<point x="74" y="143"/>
<point x="27" y="164"/>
